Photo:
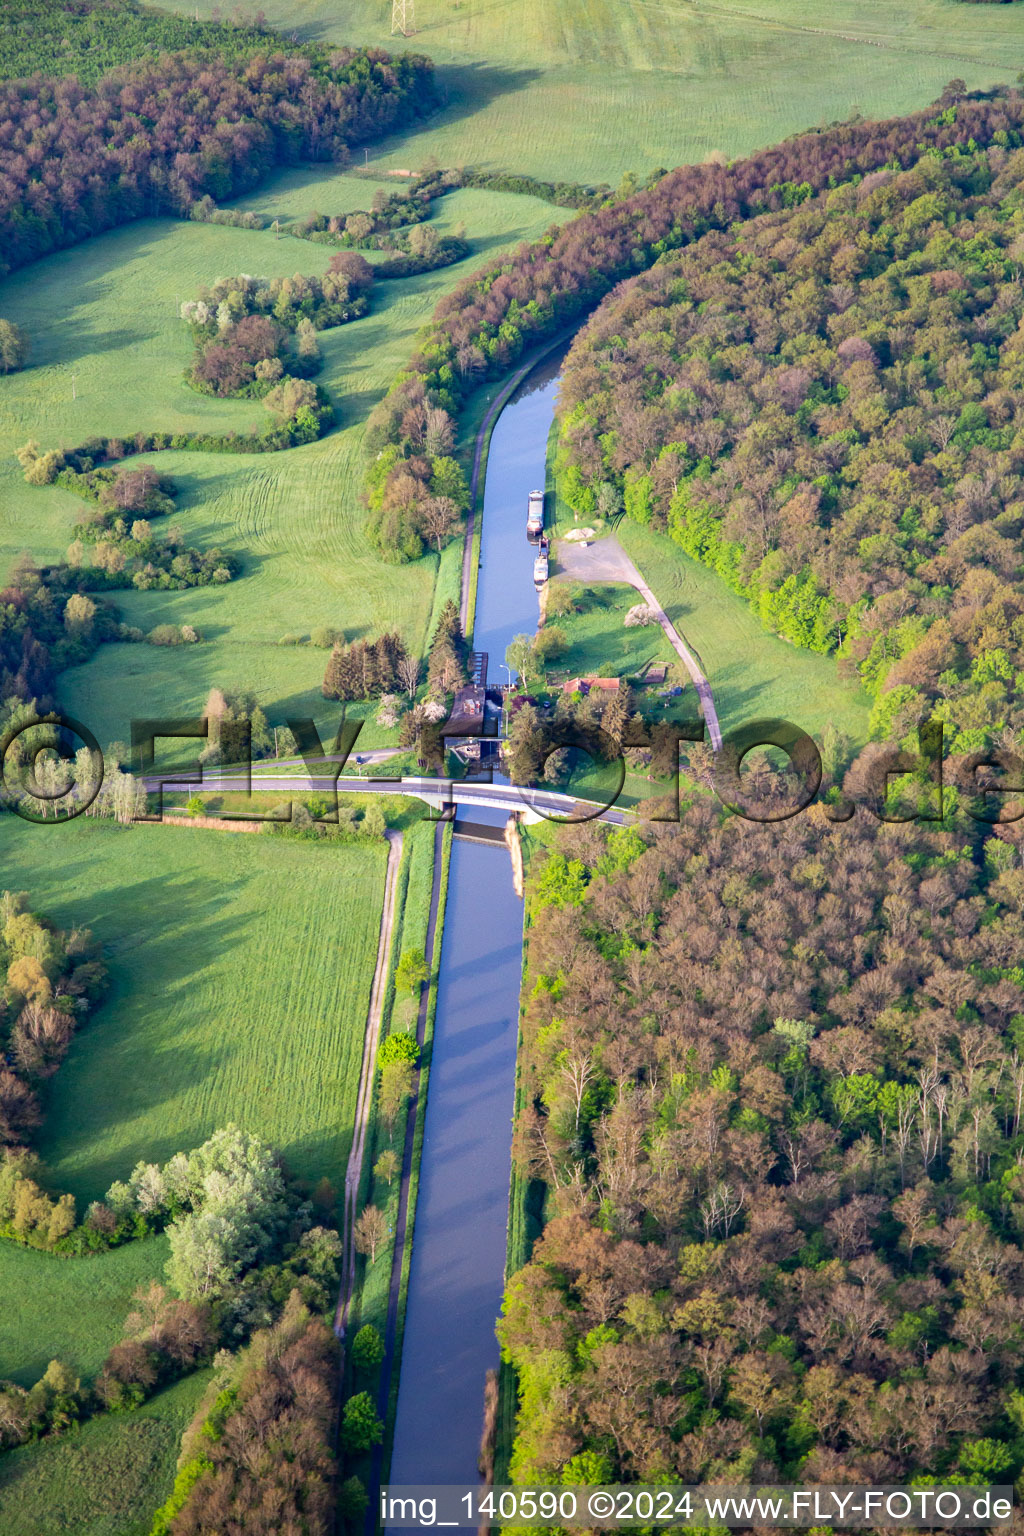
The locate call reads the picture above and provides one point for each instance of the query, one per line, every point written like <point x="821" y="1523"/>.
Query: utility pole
<point x="74" y="391"/>
<point x="403" y="17"/>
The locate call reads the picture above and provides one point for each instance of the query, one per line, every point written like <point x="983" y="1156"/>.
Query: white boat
<point x="540" y="565"/>
<point x="535" y="515"/>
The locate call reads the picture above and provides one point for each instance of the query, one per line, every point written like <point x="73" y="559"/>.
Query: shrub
<point x="398" y="1047"/>
<point x="324" y="637"/>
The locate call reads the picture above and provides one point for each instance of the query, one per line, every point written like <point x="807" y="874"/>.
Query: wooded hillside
<point x="772" y="1079"/>
<point x="824" y="405"/>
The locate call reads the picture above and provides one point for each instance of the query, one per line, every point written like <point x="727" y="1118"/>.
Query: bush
<point x="324" y="637"/>
<point x="398" y="1047"/>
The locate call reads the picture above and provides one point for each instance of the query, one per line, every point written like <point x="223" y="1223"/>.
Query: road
<point x="547" y="804"/>
<point x="606" y="560"/>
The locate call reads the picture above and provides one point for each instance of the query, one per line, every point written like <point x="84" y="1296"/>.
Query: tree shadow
<point x="464" y="89"/>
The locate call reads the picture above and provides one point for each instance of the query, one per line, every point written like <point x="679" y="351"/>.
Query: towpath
<point x="353" y="1172"/>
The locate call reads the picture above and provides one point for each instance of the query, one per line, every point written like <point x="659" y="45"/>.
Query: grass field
<point x="108" y="1478"/>
<point x="70" y="1310"/>
<point x="106" y="313"/>
<point x="241" y="967"/>
<point x="589" y="89"/>
<point x="600" y="643"/>
<point x="753" y="674"/>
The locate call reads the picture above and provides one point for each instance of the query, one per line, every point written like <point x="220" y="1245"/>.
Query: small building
<point x="585" y="684"/>
<point x="655" y="676"/>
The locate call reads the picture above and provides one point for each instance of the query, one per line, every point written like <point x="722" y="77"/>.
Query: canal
<point x="458" y="1258"/>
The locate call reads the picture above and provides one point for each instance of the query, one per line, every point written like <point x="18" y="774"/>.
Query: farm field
<point x="240" y="967"/>
<point x="106" y="312"/>
<point x="590" y="89"/>
<point x="106" y="1479"/>
<point x="71" y="1310"/>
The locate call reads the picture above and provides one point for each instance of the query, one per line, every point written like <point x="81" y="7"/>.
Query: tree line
<point x="546" y="285"/>
<point x="258" y="1455"/>
<point x="773" y="1084"/>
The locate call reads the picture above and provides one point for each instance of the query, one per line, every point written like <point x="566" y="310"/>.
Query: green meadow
<point x="103" y="318"/>
<point x="590" y="89"/>
<point x="69" y="1310"/>
<point x="753" y="674"/>
<point x="240" y="968"/>
<point x="107" y="1478"/>
<point x="600" y="643"/>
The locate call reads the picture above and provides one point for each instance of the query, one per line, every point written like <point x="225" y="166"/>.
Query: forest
<point x="51" y="980"/>
<point x="541" y="289"/>
<point x="773" y="1084"/>
<point x="154" y="136"/>
<point x="86" y="39"/>
<point x="823" y="405"/>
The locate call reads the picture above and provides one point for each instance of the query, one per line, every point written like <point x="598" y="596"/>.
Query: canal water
<point x="458" y="1259"/>
<point x="506" y="601"/>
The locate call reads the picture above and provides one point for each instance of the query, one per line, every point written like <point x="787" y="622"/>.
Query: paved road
<point x="506" y="797"/>
<point x="606" y="560"/>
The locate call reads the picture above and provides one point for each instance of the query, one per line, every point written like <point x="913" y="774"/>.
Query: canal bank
<point x="457" y="1269"/>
